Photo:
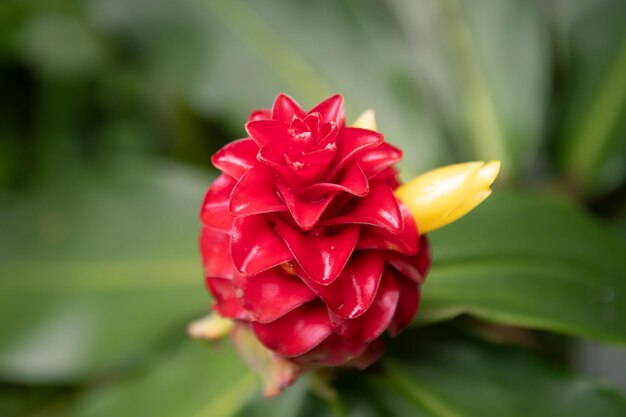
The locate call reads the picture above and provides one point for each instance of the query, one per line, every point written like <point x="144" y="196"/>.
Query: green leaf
<point x="425" y="373"/>
<point x="96" y="269"/>
<point x="592" y="135"/>
<point x="42" y="43"/>
<point x="491" y="98"/>
<point x="440" y="375"/>
<point x="278" y="49"/>
<point x="195" y="380"/>
<point x="529" y="261"/>
<point x="295" y="401"/>
<point x="18" y="401"/>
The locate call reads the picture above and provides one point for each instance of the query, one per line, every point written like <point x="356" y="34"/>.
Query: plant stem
<point x="591" y="137"/>
<point x="484" y="128"/>
<point x="416" y="393"/>
<point x="225" y="404"/>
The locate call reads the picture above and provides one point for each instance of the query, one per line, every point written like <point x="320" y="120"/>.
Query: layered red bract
<point x="303" y="237"/>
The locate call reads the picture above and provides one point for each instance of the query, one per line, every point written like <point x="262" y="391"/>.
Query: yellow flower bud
<point x="366" y="120"/>
<point x="446" y="194"/>
<point x="210" y="327"/>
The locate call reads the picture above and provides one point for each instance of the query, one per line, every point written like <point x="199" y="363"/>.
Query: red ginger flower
<point x="304" y="240"/>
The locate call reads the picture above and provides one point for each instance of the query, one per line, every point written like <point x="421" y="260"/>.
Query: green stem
<point x="337" y="407"/>
<point x="416" y="393"/>
<point x="228" y="401"/>
<point x="272" y="48"/>
<point x="591" y="137"/>
<point x="485" y="130"/>
<point x="320" y="382"/>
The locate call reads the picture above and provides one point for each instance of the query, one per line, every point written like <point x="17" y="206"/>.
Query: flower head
<point x="304" y="242"/>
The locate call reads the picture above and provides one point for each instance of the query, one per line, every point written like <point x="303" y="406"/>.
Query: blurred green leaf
<point x="20" y="401"/>
<point x="194" y="381"/>
<point x="173" y="39"/>
<point x="529" y="261"/>
<point x="474" y="75"/>
<point x="61" y="45"/>
<point x="593" y="130"/>
<point x="424" y="374"/>
<point x="278" y="49"/>
<point x="96" y="268"/>
<point x="451" y="376"/>
<point x="197" y="380"/>
<point x="295" y="401"/>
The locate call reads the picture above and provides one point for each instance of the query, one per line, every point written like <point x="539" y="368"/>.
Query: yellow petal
<point x="461" y="210"/>
<point x="444" y="195"/>
<point x="433" y="195"/>
<point x="210" y="327"/>
<point x="489" y="172"/>
<point x="367" y="120"/>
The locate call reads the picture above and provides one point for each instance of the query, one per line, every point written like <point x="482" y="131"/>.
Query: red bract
<point x="304" y="240"/>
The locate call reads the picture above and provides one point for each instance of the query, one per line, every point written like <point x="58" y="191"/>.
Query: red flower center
<point x="304" y="239"/>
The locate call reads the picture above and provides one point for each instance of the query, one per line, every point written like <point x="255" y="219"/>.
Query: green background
<point x="111" y="109"/>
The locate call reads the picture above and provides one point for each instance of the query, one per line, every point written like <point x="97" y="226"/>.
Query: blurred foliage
<point x="557" y="254"/>
<point x="110" y="110"/>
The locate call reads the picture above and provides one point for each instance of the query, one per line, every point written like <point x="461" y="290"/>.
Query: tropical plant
<point x="110" y="111"/>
